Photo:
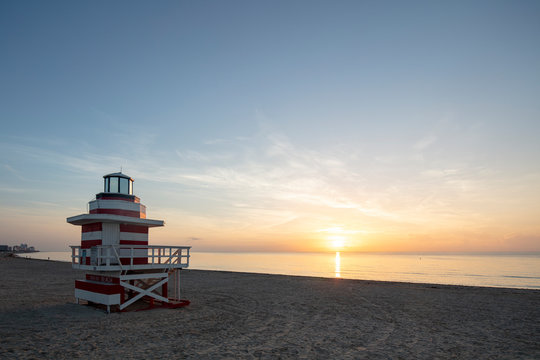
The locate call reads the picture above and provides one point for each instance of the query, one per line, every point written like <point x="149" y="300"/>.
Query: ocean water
<point x="495" y="270"/>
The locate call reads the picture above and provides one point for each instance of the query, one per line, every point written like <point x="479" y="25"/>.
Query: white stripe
<point x="83" y="219"/>
<point x="97" y="297"/>
<point x="133" y="236"/>
<point x="97" y="235"/>
<point x="116" y="204"/>
<point x="91" y="235"/>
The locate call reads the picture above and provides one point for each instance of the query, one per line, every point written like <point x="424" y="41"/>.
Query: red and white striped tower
<point x="122" y="268"/>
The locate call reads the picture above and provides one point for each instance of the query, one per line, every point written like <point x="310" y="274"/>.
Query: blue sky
<point x="276" y="125"/>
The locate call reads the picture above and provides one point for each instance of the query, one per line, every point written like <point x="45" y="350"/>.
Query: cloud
<point x="197" y="156"/>
<point x="267" y="180"/>
<point x="522" y="243"/>
<point x="14" y="172"/>
<point x="425" y="142"/>
<point x="13" y="190"/>
<point x="339" y="229"/>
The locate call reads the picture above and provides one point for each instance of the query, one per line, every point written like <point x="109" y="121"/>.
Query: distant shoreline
<point x="19" y="252"/>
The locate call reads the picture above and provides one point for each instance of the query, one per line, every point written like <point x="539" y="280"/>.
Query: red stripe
<point x="124" y="261"/>
<point x="134" y="242"/>
<point x="116" y="198"/>
<point x="86" y="244"/>
<point x="134" y="229"/>
<point x="101" y="278"/>
<point x="91" y="227"/>
<point x="136" y="261"/>
<point x="106" y="289"/>
<point x="112" y="197"/>
<point x="129" y="213"/>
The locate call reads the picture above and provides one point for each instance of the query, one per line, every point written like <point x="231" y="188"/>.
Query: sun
<point x="337" y="241"/>
<point x="338" y="238"/>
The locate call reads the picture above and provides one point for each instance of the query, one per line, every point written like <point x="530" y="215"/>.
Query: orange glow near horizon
<point x="303" y="234"/>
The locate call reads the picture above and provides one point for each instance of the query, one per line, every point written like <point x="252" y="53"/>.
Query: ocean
<point x="508" y="270"/>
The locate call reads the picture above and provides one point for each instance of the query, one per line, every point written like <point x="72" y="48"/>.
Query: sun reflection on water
<point x="338" y="265"/>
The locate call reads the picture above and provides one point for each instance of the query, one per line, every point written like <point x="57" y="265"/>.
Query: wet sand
<point x="239" y="315"/>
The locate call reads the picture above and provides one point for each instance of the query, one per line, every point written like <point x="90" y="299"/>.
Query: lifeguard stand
<point x="121" y="268"/>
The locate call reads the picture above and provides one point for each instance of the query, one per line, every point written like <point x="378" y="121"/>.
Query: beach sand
<point x="238" y="315"/>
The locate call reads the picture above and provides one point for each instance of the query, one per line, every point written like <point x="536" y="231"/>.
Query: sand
<point x="239" y="315"/>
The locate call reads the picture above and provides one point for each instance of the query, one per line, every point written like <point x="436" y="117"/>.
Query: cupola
<point x="118" y="183"/>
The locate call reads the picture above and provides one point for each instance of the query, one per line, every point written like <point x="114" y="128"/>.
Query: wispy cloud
<point x="425" y="142"/>
<point x="14" y="172"/>
<point x="340" y="229"/>
<point x="266" y="171"/>
<point x="12" y="190"/>
<point x="267" y="182"/>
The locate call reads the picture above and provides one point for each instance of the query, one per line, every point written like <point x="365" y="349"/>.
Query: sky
<point x="276" y="125"/>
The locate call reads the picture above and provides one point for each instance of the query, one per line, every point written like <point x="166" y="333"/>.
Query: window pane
<point x="106" y="185"/>
<point x="130" y="187"/>
<point x="114" y="184"/>
<point x="123" y="185"/>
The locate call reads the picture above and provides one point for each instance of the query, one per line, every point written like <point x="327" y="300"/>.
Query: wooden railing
<point x="126" y="257"/>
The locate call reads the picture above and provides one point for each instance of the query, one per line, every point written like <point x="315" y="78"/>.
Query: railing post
<point x="179" y="283"/>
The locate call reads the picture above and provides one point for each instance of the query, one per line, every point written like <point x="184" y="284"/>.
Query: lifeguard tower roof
<point x="119" y="174"/>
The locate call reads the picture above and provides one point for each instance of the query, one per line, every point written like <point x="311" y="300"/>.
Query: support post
<point x="164" y="290"/>
<point x="178" y="284"/>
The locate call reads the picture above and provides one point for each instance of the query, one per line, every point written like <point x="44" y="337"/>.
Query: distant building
<point x="5" y="248"/>
<point x="24" y="248"/>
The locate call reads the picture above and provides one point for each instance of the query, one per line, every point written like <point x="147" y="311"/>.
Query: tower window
<point x="113" y="185"/>
<point x="124" y="186"/>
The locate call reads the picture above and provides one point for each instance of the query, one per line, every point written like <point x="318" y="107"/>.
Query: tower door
<point x="111" y="234"/>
